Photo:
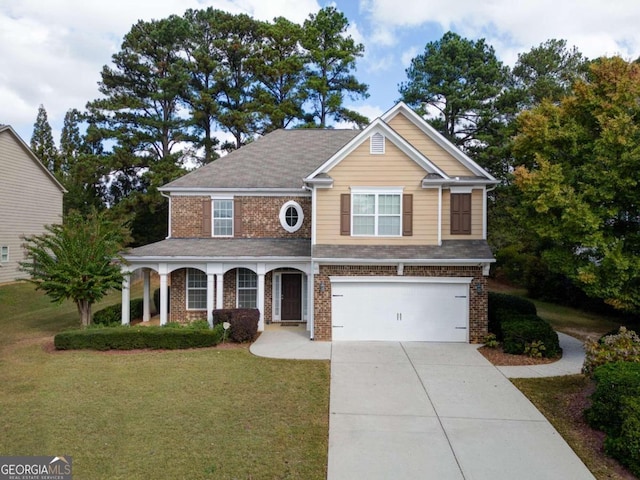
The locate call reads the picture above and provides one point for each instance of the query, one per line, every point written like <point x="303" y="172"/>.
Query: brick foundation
<point x="478" y="321"/>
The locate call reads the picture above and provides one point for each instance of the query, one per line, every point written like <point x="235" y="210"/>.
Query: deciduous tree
<point x="75" y="260"/>
<point x="580" y="195"/>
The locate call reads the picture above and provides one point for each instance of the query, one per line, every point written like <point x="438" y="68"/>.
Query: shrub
<point x="243" y="321"/>
<point x="156" y="298"/>
<point x="502" y="305"/>
<point x="626" y="446"/>
<point x="491" y="341"/>
<point x="623" y="346"/>
<point x="521" y="330"/>
<point x="614" y="381"/>
<point x="112" y="315"/>
<point x="129" y="338"/>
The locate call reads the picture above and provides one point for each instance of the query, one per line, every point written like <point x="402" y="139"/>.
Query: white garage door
<point x="400" y="309"/>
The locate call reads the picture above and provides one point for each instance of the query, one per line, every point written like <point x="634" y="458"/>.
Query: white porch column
<point x="146" y="295"/>
<point x="219" y="290"/>
<point x="164" y="314"/>
<point x="261" y="270"/>
<point x="210" y="287"/>
<point x="126" y="299"/>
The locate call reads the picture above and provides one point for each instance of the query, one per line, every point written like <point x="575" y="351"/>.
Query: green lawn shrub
<point x="156" y="298"/>
<point x="501" y="305"/>
<point x="614" y="382"/>
<point x="626" y="446"/>
<point x="112" y="315"/>
<point x="621" y="346"/>
<point x="130" y="338"/>
<point x="243" y="322"/>
<point x="521" y="332"/>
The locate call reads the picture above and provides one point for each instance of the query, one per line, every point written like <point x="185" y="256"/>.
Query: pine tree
<point x="42" y="143"/>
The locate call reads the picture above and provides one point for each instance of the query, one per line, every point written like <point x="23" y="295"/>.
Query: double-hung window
<point x="376" y="213"/>
<point x="196" y="289"/>
<point x="4" y="254"/>
<point x="223" y="217"/>
<point x="247" y="292"/>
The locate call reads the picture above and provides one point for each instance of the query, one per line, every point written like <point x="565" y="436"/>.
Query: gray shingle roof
<point x="449" y="250"/>
<point x="280" y="159"/>
<point x="233" y="248"/>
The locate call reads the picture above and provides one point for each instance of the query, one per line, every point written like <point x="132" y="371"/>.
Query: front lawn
<point x="210" y="413"/>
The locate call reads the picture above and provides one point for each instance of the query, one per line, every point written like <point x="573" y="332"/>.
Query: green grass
<point x="561" y="400"/>
<point x="209" y="413"/>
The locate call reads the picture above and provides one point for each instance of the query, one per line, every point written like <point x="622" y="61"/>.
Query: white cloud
<point x="409" y="55"/>
<point x="596" y="27"/>
<point x="56" y="49"/>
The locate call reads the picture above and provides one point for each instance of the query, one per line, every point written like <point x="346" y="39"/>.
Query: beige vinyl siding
<point x="476" y="216"/>
<point x="393" y="169"/>
<point x="29" y="200"/>
<point x="428" y="147"/>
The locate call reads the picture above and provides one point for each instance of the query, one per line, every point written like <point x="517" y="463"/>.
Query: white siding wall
<point x="29" y="199"/>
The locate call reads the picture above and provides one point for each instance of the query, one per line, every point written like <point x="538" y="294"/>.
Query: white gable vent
<point x="376" y="144"/>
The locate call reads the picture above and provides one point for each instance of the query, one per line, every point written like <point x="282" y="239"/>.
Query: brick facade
<point x="260" y="217"/>
<point x="178" y="303"/>
<point x="478" y="320"/>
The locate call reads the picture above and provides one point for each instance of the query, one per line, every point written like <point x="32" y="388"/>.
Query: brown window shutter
<point x="237" y="217"/>
<point x="345" y="214"/>
<point x="206" y="217"/>
<point x="407" y="215"/>
<point x="460" y="213"/>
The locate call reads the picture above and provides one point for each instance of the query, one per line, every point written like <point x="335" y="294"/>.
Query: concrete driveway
<point x="436" y="411"/>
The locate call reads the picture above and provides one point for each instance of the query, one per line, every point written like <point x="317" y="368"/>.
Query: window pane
<point x="247" y="278"/>
<point x="197" y="299"/>
<point x="389" y="204"/>
<point x="364" y="225"/>
<point x="247" y="299"/>
<point x="223" y="209"/>
<point x="196" y="278"/>
<point x="364" y="204"/>
<point x="389" y="226"/>
<point x="291" y="216"/>
<point x="223" y="226"/>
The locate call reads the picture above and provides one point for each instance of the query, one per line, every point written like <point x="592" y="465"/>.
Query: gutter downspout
<point x="169" y="219"/>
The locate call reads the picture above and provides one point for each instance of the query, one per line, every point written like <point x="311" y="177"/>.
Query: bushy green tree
<point x="579" y="182"/>
<point x="75" y="260"/>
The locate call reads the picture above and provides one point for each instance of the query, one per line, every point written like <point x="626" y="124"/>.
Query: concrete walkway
<point x="289" y="343"/>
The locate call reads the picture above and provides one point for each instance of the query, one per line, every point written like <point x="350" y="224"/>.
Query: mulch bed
<point x="497" y="357"/>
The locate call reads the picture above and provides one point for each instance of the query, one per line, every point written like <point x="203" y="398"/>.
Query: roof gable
<point x="8" y="129"/>
<point x="377" y="126"/>
<point x="402" y="109"/>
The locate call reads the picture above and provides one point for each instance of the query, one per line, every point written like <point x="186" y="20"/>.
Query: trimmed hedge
<point x="518" y="331"/>
<point x="501" y="305"/>
<point x="130" y="338"/>
<point x="626" y="446"/>
<point x="620" y="346"/>
<point x="112" y="315"/>
<point x="614" y="382"/>
<point x="243" y="321"/>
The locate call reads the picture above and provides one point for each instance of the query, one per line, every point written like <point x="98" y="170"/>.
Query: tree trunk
<point x="84" y="309"/>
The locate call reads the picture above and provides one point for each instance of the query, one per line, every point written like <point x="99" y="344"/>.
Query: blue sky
<point x="52" y="51"/>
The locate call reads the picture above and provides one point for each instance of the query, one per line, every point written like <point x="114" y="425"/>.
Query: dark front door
<point x="291" y="302"/>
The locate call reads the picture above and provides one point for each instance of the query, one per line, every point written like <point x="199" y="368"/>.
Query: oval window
<point x="291" y="216"/>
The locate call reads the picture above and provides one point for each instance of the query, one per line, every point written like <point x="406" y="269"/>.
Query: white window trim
<point x="244" y="288"/>
<point x="4" y="257"/>
<point x="187" y="288"/>
<point x="213" y="218"/>
<point x="376" y="191"/>
<point x="283" y="214"/>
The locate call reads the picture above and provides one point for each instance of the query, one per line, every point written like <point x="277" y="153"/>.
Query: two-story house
<point x="30" y="199"/>
<point x="374" y="234"/>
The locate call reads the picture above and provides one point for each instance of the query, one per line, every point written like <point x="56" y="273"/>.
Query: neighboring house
<point x="30" y="198"/>
<point x="374" y="234"/>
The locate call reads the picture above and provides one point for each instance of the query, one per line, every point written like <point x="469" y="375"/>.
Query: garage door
<point x="400" y="309"/>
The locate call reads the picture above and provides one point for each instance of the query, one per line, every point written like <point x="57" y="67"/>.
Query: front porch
<point x="192" y="290"/>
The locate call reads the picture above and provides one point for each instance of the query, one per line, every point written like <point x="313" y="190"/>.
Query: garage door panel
<point x="400" y="311"/>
